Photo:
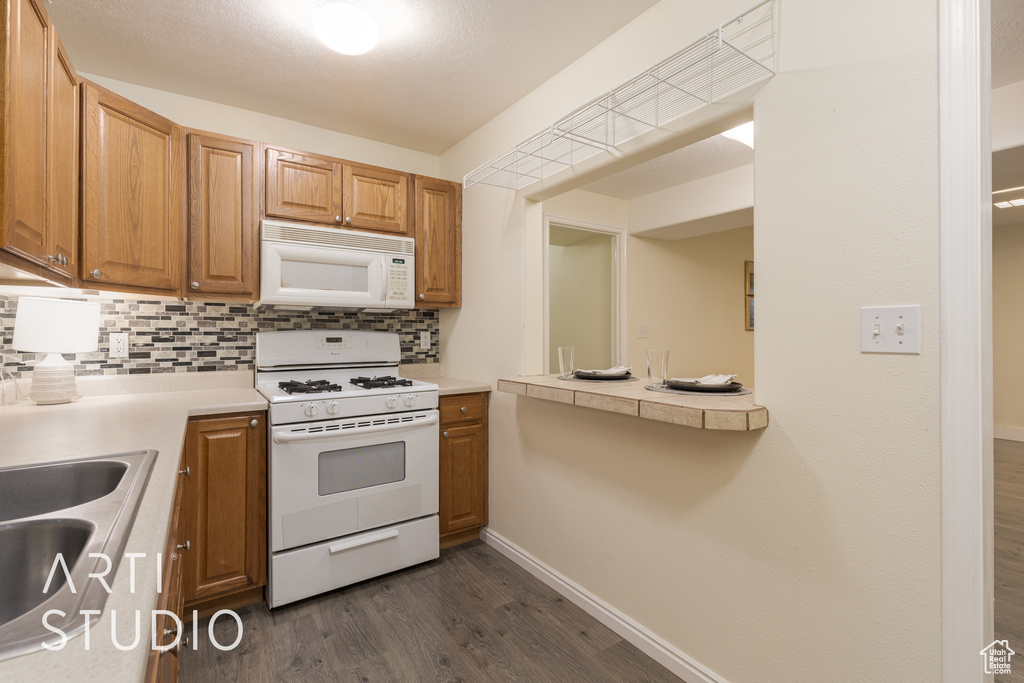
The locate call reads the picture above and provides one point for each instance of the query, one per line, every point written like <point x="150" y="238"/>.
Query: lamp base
<point x="53" y="381"/>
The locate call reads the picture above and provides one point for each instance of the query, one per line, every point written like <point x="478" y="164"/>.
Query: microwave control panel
<point x="399" y="284"/>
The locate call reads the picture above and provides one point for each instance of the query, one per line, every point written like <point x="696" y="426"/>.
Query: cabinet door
<point x="376" y="199"/>
<point x="132" y="228"/>
<point x="224" y="518"/>
<point x="62" y="224"/>
<point x="28" y="46"/>
<point x="303" y="186"/>
<point x="438" y="242"/>
<point x="463" y="477"/>
<point x="221" y="215"/>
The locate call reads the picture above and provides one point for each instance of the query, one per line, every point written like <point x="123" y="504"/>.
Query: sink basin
<point x="82" y="510"/>
<point x="29" y="551"/>
<point x="31" y="491"/>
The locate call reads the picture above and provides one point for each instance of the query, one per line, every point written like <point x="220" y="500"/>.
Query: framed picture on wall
<point x="748" y="279"/>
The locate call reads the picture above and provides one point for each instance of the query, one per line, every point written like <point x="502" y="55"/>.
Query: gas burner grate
<point x="380" y="382"/>
<point x="313" y="386"/>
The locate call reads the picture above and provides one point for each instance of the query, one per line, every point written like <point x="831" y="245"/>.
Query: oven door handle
<point x="285" y="437"/>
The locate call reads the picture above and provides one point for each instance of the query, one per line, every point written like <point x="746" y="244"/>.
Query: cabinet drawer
<point x="462" y="408"/>
<point x="318" y="568"/>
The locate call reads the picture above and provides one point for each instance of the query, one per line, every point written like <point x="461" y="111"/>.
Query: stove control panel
<point x="351" y="406"/>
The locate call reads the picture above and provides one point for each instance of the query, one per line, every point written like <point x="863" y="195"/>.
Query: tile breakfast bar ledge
<point x="734" y="413"/>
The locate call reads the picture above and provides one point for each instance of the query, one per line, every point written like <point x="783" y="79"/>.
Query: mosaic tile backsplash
<point x="206" y="336"/>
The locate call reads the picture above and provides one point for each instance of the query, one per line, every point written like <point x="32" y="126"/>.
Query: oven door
<point x="322" y="276"/>
<point x="337" y="477"/>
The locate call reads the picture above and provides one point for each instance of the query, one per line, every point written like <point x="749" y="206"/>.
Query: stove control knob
<point x="410" y="400"/>
<point x="333" y="408"/>
<point x="391" y="402"/>
<point x="311" y="410"/>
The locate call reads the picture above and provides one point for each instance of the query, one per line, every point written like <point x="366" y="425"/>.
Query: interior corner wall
<point x="1008" y="325"/>
<point x="243" y="123"/>
<point x="812" y="546"/>
<point x="690" y="294"/>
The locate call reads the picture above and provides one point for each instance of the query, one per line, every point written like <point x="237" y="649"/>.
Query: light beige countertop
<point x="449" y="386"/>
<point x="104" y="425"/>
<point x="732" y="413"/>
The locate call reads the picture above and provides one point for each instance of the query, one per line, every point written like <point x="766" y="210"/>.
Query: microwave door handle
<point x="385" y="286"/>
<point x="285" y="437"/>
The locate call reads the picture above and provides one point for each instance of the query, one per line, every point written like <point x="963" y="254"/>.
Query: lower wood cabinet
<point x="163" y="666"/>
<point x="463" y="460"/>
<point x="223" y="521"/>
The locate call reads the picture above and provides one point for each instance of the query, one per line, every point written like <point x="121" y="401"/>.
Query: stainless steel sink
<point x="68" y="509"/>
<point x="66" y="485"/>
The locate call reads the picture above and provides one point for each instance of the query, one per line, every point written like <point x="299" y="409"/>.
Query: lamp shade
<point x="56" y="325"/>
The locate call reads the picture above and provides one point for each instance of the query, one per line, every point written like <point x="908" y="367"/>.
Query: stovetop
<point x="335" y="384"/>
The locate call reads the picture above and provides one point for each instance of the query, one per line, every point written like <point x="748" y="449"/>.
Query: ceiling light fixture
<point x="1003" y="205"/>
<point x="1017" y="202"/>
<point x="345" y="27"/>
<point x="743" y="133"/>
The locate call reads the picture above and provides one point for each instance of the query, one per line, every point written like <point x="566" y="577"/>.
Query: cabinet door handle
<point x="96" y="273"/>
<point x="187" y="545"/>
<point x="446" y="435"/>
<point x="348" y="220"/>
<point x="63" y="260"/>
<point x="254" y="423"/>
<point x="187" y="471"/>
<point x="423" y="296"/>
<point x="463" y="409"/>
<point x="337" y="219"/>
<point x="195" y="285"/>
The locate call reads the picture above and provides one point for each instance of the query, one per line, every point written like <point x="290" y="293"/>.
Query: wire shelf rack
<point x="738" y="54"/>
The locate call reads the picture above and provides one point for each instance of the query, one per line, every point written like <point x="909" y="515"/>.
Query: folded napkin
<point x="610" y="372"/>
<point x="707" y="379"/>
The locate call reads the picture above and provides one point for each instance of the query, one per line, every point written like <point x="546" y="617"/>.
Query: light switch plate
<point x="890" y="329"/>
<point x="641" y="331"/>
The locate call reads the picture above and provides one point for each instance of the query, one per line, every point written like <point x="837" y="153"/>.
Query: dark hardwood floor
<point x="471" y="616"/>
<point x="1008" y="509"/>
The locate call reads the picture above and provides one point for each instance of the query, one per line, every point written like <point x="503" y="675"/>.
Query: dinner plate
<point x="583" y="374"/>
<point x="690" y="385"/>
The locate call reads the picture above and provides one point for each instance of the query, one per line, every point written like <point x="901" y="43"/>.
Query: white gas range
<point x="352" y="461"/>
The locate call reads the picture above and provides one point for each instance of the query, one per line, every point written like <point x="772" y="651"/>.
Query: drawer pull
<point x="446" y="435"/>
<point x="254" y="423"/>
<point x="463" y="409"/>
<point x="187" y="545"/>
<point x="187" y="471"/>
<point x="365" y="540"/>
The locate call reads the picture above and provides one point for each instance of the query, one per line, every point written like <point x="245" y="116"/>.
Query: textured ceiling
<point x="708" y="157"/>
<point x="442" y="69"/>
<point x="1007" y="42"/>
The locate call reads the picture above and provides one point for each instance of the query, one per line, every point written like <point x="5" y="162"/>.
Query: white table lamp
<point x="53" y="327"/>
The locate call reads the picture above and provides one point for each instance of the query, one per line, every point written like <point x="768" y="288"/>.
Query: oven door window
<point x="349" y="469"/>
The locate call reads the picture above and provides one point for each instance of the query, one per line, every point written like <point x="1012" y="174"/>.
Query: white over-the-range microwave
<point x="303" y="266"/>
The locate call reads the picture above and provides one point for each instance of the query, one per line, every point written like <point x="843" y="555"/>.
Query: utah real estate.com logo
<point x="997" y="657"/>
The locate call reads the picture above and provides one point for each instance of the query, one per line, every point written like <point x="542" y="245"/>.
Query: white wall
<point x="812" y="547"/>
<point x="719" y="202"/>
<point x="219" y="118"/>
<point x="1007" y="125"/>
<point x="580" y="302"/>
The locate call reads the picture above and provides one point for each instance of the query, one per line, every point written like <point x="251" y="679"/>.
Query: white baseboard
<point x="1009" y="433"/>
<point x="654" y="647"/>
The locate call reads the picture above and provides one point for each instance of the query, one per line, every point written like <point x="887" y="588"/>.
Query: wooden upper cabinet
<point x="63" y="161"/>
<point x="222" y="214"/>
<point x="39" y="149"/>
<point x="438" y="242"/>
<point x="304" y="187"/>
<point x="133" y="179"/>
<point x="376" y="199"/>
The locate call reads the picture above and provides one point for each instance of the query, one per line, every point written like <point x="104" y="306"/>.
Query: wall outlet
<point x="641" y="332"/>
<point x="425" y="340"/>
<point x="118" y="345"/>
